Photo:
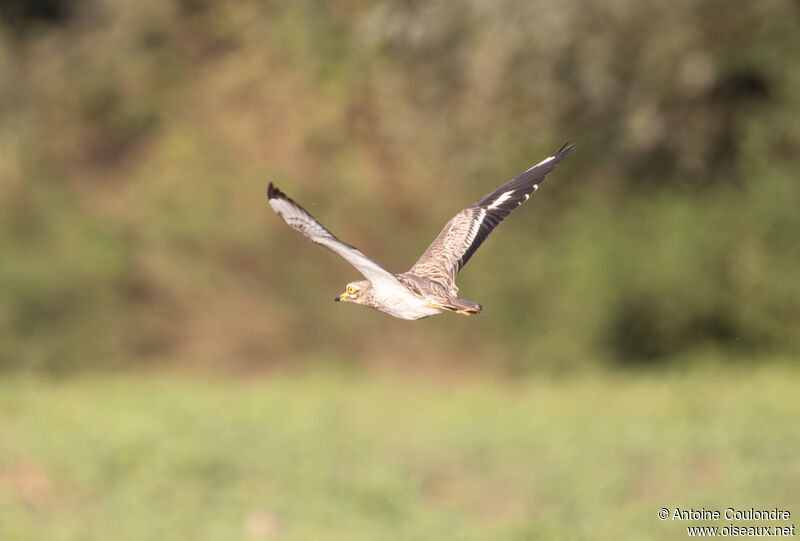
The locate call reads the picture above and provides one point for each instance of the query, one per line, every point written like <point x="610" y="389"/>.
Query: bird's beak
<point x="340" y="297"/>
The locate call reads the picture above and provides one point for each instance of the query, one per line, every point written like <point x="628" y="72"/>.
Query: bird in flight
<point x="428" y="288"/>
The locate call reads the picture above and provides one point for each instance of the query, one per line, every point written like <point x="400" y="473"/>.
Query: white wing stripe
<point x="541" y="162"/>
<point x="476" y="225"/>
<point x="500" y="200"/>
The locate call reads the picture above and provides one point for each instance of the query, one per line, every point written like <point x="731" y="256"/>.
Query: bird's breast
<point x="406" y="306"/>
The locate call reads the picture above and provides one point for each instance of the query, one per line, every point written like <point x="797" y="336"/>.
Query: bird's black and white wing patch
<point x="467" y="230"/>
<point x="300" y="220"/>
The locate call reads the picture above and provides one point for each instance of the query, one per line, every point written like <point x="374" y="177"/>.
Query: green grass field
<point x="372" y="457"/>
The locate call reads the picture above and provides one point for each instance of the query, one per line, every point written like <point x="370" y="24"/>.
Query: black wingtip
<point x="565" y="149"/>
<point x="273" y="192"/>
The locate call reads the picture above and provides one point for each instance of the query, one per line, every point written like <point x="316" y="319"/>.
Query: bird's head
<point x="357" y="292"/>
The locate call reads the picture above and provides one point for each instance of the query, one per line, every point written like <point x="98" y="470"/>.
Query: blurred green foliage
<point x="350" y="458"/>
<point x="138" y="138"/>
<point x="136" y="143"/>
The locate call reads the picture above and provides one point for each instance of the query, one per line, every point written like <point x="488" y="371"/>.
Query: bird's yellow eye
<point x="351" y="289"/>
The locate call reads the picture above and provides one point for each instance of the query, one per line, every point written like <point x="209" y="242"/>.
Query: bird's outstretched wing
<point x="467" y="230"/>
<point x="300" y="220"/>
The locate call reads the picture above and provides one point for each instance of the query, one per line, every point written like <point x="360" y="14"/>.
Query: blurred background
<point x="172" y="364"/>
